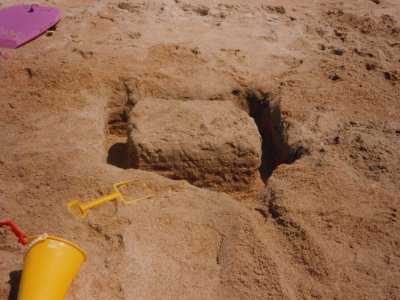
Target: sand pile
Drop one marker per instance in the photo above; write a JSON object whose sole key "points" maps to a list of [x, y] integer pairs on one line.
{"points": [[207, 143]]}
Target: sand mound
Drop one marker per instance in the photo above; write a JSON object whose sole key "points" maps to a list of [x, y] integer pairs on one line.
{"points": [[184, 242], [208, 143]]}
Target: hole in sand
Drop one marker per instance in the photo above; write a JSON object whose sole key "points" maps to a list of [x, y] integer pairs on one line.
{"points": [[116, 134], [275, 147], [116, 155]]}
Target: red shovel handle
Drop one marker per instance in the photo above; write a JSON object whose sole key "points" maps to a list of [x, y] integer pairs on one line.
{"points": [[18, 232]]}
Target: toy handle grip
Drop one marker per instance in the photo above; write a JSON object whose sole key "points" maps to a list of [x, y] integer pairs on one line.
{"points": [[18, 232]]}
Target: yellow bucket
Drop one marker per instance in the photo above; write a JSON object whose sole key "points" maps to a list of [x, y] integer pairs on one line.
{"points": [[50, 266]]}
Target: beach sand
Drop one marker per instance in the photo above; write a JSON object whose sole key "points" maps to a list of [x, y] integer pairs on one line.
{"points": [[321, 79]]}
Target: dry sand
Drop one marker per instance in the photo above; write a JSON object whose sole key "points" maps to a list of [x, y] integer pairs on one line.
{"points": [[320, 79]]}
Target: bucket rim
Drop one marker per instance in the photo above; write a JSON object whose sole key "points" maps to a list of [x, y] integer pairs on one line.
{"points": [[52, 237]]}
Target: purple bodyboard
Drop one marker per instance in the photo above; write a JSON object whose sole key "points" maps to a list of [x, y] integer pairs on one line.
{"points": [[21, 23]]}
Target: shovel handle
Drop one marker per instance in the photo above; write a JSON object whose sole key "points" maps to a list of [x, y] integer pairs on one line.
{"points": [[101, 200], [17, 231], [81, 209]]}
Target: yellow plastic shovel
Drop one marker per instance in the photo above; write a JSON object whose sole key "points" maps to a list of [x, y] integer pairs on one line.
{"points": [[81, 209]]}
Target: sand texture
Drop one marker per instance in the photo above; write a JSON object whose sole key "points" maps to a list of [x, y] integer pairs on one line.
{"points": [[266, 132]]}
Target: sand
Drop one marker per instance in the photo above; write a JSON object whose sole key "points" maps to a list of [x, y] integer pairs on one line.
{"points": [[321, 80]]}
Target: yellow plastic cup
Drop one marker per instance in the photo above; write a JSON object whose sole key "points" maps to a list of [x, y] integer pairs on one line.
{"points": [[50, 266]]}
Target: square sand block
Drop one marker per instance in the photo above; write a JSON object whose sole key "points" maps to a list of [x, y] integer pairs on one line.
{"points": [[207, 143]]}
